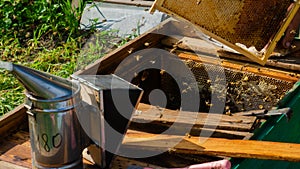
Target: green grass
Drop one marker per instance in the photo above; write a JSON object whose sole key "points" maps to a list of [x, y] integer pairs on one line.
{"points": [[45, 35], [40, 34]]}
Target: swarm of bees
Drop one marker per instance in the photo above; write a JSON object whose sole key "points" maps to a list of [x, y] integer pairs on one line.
{"points": [[242, 91]]}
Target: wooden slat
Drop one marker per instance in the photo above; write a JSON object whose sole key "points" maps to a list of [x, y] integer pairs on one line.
{"points": [[290, 62], [140, 3], [150, 39], [18, 156], [15, 153], [109, 62], [212, 146], [121, 162], [217, 133], [7, 165], [130, 2], [16, 149], [160, 116], [200, 46], [13, 120], [264, 71]]}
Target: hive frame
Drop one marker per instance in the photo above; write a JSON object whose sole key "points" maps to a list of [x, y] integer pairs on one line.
{"points": [[260, 57]]}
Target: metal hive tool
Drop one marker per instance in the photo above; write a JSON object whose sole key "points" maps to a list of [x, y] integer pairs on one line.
{"points": [[252, 28]]}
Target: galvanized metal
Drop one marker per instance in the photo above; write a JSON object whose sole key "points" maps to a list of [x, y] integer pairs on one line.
{"points": [[57, 139], [62, 116], [110, 101], [39, 84]]}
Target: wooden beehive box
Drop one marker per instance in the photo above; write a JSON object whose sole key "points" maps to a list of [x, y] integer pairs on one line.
{"points": [[180, 40]]}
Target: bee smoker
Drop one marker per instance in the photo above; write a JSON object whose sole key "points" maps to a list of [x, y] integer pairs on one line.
{"points": [[62, 124]]}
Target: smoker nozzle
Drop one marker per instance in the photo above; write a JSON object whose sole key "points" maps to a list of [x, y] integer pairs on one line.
{"points": [[39, 84]]}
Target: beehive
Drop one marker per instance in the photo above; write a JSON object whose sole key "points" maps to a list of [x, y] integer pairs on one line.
{"points": [[252, 28]]}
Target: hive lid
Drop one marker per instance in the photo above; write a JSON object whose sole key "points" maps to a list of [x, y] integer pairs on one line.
{"points": [[250, 28]]}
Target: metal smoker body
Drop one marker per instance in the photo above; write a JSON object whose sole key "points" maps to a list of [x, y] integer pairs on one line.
{"points": [[64, 119], [57, 139]]}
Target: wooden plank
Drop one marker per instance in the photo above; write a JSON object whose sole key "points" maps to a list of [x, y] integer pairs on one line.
{"points": [[121, 162], [7, 165], [290, 62], [16, 149], [201, 46], [264, 71], [109, 62], [149, 39], [212, 146], [18, 156], [141, 3], [161, 161], [13, 120], [217, 133], [15, 152], [160, 116], [194, 44]]}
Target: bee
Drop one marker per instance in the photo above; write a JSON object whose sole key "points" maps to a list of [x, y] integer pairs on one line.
{"points": [[130, 50], [138, 57], [152, 61], [147, 44], [188, 135], [145, 75]]}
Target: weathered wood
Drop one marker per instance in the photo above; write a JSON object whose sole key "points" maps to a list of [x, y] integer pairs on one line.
{"points": [[18, 156], [109, 62], [190, 44], [150, 39], [290, 62], [141, 3], [7, 165], [212, 146], [200, 46], [166, 117], [16, 149], [121, 162], [236, 65], [13, 120], [217, 133]]}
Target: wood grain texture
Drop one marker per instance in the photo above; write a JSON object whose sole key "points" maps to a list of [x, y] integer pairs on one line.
{"points": [[16, 149], [149, 39], [7, 165], [236, 65], [212, 146], [202, 47], [161, 116], [13, 120], [141, 3]]}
